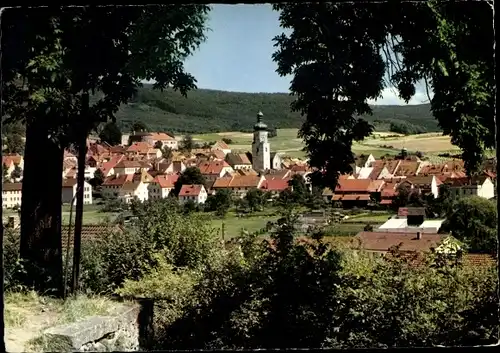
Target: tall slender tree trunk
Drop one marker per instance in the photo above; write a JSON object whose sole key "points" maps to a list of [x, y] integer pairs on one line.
{"points": [[82, 153], [41, 210]]}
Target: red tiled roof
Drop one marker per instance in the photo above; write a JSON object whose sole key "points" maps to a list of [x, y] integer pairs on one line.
{"points": [[275, 184], [12, 186], [213, 167], [129, 164], [119, 180], [141, 147], [190, 190], [69, 183], [166, 181], [382, 241], [238, 181], [160, 136], [358, 185], [221, 144]]}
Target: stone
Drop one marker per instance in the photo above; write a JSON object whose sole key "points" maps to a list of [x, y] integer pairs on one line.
{"points": [[87, 332]]}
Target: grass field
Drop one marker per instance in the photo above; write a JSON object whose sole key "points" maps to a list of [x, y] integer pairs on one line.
{"points": [[91, 214], [380, 143]]}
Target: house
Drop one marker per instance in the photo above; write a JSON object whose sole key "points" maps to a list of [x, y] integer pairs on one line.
{"points": [[143, 149], [11, 195], [8, 164], [364, 161], [16, 159], [481, 186], [68, 193], [113, 183], [381, 242], [238, 161], [166, 140], [275, 186], [196, 193], [161, 186], [128, 167], [427, 184], [107, 168], [355, 192], [365, 172], [239, 184], [221, 146], [276, 160], [214, 169], [407, 168], [133, 190]]}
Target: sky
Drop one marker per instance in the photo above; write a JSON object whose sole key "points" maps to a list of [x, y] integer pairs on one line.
{"points": [[237, 54]]}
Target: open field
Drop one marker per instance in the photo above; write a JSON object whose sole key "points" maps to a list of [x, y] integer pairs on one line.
{"points": [[379, 144], [91, 215]]}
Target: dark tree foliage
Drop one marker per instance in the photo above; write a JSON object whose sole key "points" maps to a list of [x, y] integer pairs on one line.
{"points": [[474, 221], [49, 73], [139, 126], [190, 176], [111, 134], [187, 144], [339, 55], [220, 202]]}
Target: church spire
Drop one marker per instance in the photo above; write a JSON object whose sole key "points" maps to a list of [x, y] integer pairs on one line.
{"points": [[260, 125]]}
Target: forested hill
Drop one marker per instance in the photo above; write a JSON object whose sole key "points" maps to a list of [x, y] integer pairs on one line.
{"points": [[215, 111]]}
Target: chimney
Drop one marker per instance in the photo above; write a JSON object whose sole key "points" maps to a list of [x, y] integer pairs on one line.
{"points": [[419, 235]]}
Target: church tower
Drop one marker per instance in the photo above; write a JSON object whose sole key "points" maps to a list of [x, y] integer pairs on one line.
{"points": [[261, 152]]}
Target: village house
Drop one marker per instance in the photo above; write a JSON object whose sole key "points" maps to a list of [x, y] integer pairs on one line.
{"points": [[172, 167], [407, 168], [196, 193], [381, 242], [481, 186], [238, 161], [143, 149], [15, 159], [11, 195], [107, 168], [354, 192], [8, 165], [128, 167], [68, 193], [275, 186], [165, 139], [363, 161], [214, 169], [239, 184], [131, 190], [427, 184], [161, 186], [221, 146], [276, 160], [113, 183]]}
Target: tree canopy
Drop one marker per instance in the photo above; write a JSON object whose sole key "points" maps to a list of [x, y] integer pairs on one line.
{"points": [[111, 134], [341, 55], [57, 56]]}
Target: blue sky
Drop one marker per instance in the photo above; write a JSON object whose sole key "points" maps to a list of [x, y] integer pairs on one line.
{"points": [[237, 53]]}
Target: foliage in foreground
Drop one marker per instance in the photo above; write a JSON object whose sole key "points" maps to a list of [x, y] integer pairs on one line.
{"points": [[286, 291]]}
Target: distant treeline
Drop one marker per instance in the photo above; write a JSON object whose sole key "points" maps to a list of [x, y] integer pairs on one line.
{"points": [[206, 111]]}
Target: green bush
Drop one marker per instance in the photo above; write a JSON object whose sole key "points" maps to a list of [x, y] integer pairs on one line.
{"points": [[14, 268]]}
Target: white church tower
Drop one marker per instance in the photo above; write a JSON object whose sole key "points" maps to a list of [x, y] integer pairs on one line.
{"points": [[261, 152]]}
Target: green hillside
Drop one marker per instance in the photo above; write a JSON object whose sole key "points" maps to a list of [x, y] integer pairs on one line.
{"points": [[215, 111]]}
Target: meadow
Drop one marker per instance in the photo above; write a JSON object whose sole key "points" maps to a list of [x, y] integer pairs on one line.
{"points": [[379, 144]]}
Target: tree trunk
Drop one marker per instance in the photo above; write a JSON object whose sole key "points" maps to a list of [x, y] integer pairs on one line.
{"points": [[2, 328], [82, 153], [41, 210]]}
